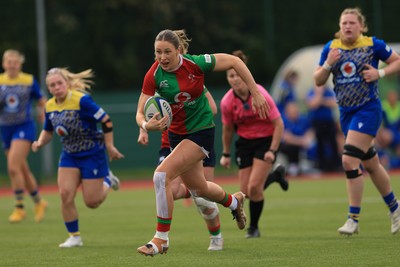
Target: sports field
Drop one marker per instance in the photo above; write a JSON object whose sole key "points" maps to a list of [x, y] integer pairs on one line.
{"points": [[298, 228]]}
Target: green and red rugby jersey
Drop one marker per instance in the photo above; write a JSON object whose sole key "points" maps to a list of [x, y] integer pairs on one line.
{"points": [[183, 88]]}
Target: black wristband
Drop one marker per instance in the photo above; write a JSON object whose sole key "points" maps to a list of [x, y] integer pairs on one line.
{"points": [[226, 155]]}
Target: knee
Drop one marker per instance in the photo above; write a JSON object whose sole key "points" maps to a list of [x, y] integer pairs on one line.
{"points": [[160, 179], [253, 191], [93, 204], [13, 170], [66, 195], [352, 157]]}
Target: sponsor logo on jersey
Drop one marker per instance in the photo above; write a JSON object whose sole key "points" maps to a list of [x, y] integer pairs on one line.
{"points": [[61, 131], [191, 77], [164, 84], [98, 114], [348, 70], [12, 102], [21, 134], [182, 97], [207, 58]]}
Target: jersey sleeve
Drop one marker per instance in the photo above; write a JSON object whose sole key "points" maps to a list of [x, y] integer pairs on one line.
{"points": [[149, 83], [205, 62], [36, 91], [382, 50], [324, 53], [47, 126], [90, 109]]}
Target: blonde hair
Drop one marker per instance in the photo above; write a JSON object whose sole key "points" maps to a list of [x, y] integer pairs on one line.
{"points": [[77, 81], [361, 19], [177, 38], [13, 52]]}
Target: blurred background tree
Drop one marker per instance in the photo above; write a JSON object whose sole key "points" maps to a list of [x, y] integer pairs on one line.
{"points": [[115, 37]]}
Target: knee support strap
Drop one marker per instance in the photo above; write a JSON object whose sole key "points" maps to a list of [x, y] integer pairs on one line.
{"points": [[353, 174], [370, 153], [353, 151]]}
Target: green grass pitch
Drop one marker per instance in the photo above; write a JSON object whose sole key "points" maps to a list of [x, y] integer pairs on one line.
{"points": [[298, 228]]}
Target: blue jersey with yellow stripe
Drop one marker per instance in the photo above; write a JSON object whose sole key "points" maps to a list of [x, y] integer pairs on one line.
{"points": [[350, 88], [16, 96], [75, 121]]}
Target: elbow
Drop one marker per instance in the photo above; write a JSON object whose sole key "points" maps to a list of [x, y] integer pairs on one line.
{"points": [[318, 81]]}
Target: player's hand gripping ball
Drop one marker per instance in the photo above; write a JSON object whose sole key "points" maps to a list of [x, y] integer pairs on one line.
{"points": [[157, 104]]}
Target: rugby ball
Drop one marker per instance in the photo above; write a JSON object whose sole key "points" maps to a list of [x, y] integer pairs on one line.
{"points": [[157, 104]]}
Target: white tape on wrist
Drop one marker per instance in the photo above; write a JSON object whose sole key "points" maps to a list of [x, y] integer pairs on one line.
{"points": [[327, 66], [381, 73], [144, 126]]}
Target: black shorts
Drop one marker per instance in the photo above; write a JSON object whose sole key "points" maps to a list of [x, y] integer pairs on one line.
{"points": [[203, 138], [247, 149]]}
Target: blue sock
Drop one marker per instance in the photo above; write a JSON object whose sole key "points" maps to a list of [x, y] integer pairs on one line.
{"points": [[35, 196], [354, 213], [19, 198], [391, 202], [72, 227]]}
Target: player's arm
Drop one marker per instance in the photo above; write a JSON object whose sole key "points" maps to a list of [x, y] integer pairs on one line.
{"points": [[227, 136], [322, 73], [271, 154], [41, 103], [143, 137], [371, 74], [44, 139], [140, 118], [153, 124], [225, 62], [107, 127]]}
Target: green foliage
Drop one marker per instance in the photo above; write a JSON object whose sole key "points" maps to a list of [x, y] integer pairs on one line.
{"points": [[115, 37], [298, 228]]}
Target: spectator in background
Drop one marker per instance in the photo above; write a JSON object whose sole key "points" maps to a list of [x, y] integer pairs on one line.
{"points": [[287, 90], [388, 137], [18, 91], [321, 101], [297, 137]]}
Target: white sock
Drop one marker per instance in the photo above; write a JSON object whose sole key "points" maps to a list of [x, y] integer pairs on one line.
{"points": [[162, 235], [234, 203]]}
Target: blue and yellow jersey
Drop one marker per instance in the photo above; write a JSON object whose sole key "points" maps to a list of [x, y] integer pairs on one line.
{"points": [[16, 96], [350, 88], [75, 121]]}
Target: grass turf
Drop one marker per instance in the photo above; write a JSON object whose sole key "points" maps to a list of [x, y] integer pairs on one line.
{"points": [[298, 228]]}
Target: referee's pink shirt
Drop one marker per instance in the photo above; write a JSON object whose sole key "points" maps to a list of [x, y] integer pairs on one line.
{"points": [[249, 125]]}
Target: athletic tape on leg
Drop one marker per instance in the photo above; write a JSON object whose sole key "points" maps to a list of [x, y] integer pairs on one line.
{"points": [[161, 196]]}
